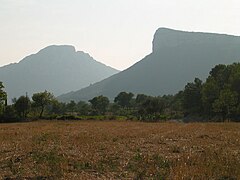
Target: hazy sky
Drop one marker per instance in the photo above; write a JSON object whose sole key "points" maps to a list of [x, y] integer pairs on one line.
{"points": [[115, 32]]}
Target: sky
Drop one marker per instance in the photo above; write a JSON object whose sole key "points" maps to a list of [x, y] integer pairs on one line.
{"points": [[117, 33]]}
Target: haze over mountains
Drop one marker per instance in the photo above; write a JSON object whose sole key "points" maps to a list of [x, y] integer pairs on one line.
{"points": [[177, 58], [57, 69]]}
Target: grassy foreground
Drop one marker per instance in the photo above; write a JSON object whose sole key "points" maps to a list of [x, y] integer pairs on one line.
{"points": [[119, 150]]}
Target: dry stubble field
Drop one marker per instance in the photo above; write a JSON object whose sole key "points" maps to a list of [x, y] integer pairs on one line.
{"points": [[119, 150]]}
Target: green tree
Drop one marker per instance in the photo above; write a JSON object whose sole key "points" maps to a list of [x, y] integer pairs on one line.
{"points": [[71, 107], [210, 93], [115, 109], [192, 97], [124, 99], [41, 100], [3, 98], [141, 98], [222, 84], [220, 73], [56, 107], [152, 108], [226, 104], [100, 104], [176, 104], [10, 114], [83, 108], [234, 78], [22, 106]]}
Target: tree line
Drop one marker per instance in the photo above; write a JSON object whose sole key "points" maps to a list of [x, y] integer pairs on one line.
{"points": [[216, 99]]}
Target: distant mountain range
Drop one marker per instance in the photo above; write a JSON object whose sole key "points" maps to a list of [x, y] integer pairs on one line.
{"points": [[58, 69], [177, 58]]}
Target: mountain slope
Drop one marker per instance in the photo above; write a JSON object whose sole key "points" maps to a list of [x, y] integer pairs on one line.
{"points": [[177, 58], [58, 69]]}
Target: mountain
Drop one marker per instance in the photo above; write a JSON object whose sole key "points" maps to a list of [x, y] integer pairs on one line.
{"points": [[177, 58], [58, 69]]}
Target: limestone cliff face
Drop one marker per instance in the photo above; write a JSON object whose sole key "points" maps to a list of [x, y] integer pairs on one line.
{"points": [[167, 38]]}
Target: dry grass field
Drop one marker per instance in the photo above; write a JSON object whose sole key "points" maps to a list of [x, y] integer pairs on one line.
{"points": [[119, 150]]}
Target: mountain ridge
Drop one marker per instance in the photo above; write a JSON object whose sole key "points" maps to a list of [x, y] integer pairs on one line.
{"points": [[56, 68], [177, 57]]}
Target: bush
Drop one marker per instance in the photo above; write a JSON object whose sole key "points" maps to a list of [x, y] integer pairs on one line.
{"points": [[68, 117], [9, 115]]}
